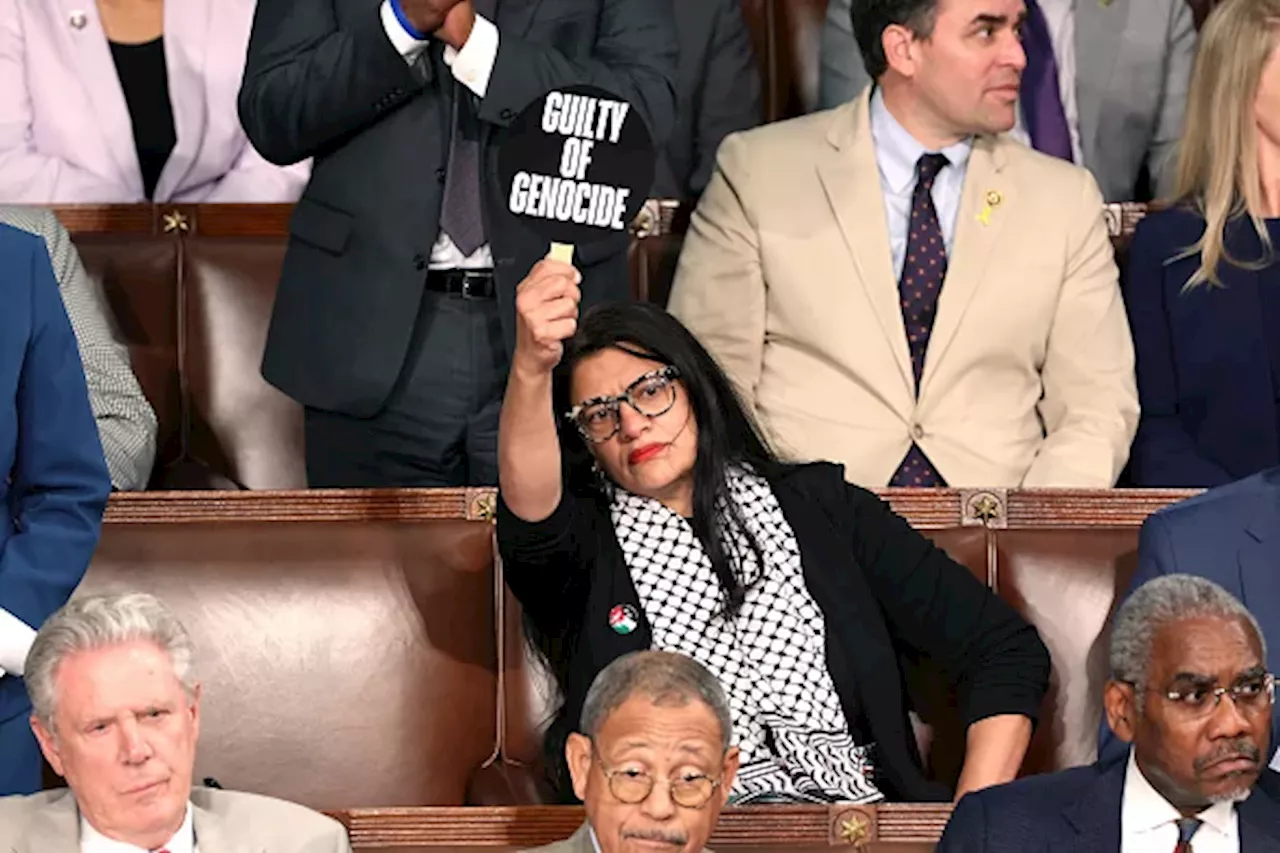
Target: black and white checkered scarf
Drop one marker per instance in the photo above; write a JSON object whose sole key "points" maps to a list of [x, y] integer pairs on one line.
{"points": [[770, 657]]}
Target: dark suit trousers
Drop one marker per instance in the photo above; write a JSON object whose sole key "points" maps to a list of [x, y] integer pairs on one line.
{"points": [[20, 766], [440, 424]]}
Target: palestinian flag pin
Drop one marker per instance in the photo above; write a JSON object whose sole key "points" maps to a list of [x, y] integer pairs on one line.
{"points": [[623, 618]]}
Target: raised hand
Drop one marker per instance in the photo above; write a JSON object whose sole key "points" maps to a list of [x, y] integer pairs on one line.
{"points": [[546, 315]]}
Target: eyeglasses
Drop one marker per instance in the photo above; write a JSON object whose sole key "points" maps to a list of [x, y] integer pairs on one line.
{"points": [[631, 786], [652, 395], [1250, 695]]}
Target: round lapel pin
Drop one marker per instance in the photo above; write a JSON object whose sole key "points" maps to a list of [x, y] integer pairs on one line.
{"points": [[623, 619]]}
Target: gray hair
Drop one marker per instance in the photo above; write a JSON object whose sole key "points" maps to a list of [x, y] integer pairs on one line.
{"points": [[96, 622], [665, 677], [1157, 603]]}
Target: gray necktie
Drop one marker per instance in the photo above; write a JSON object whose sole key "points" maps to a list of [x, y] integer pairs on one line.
{"points": [[461, 214]]}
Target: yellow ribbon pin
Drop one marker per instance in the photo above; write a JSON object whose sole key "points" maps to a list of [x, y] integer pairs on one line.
{"points": [[992, 199]]}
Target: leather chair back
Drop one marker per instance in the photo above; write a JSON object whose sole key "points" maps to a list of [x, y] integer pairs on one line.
{"points": [[239, 424], [345, 642]]}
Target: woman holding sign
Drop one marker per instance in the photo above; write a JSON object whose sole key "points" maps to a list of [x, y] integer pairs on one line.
{"points": [[642, 509]]}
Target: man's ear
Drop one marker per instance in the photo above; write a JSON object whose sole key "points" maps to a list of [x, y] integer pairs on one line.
{"points": [[48, 744], [577, 754], [898, 43], [194, 708], [732, 759], [1120, 704]]}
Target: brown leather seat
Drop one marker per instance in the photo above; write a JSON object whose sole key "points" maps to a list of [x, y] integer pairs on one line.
{"points": [[238, 423], [1066, 583], [138, 274], [345, 643]]}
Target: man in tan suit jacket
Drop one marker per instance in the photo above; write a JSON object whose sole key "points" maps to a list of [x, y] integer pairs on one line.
{"points": [[788, 275], [117, 714], [223, 822]]}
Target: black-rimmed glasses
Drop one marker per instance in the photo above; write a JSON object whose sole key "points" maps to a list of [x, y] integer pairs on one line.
{"points": [[652, 395]]}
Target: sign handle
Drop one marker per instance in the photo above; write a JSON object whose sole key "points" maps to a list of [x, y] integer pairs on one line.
{"points": [[562, 252]]}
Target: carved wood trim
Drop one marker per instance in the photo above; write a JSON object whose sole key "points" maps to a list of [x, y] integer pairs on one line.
{"points": [[139, 219], [316, 505], [532, 826], [658, 217], [1056, 508], [242, 220], [926, 509]]}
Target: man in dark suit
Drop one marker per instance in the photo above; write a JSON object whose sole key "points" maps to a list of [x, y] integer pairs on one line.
{"points": [[1191, 693], [718, 93], [395, 311], [1230, 535], [53, 481]]}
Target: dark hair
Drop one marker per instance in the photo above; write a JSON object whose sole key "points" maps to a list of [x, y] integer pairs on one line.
{"points": [[727, 433], [870, 18]]}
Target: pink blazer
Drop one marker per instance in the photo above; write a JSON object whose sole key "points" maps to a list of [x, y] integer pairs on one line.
{"points": [[65, 132]]}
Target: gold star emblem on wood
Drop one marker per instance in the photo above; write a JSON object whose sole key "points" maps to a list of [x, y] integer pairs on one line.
{"points": [[854, 830], [176, 220]]}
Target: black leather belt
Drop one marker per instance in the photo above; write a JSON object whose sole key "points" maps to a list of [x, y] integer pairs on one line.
{"points": [[469, 284]]}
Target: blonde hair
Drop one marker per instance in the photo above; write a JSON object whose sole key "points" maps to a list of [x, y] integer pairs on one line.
{"points": [[1218, 155]]}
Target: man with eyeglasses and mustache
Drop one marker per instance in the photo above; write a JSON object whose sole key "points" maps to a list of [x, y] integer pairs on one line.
{"points": [[1189, 691], [652, 760]]}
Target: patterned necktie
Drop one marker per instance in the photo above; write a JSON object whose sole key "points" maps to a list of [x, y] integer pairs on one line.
{"points": [[923, 271], [1042, 110], [1187, 827], [461, 215], [462, 212]]}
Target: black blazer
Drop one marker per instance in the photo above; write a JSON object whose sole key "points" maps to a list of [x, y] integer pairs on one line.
{"points": [[322, 80], [717, 93], [1078, 811], [1203, 357], [884, 590]]}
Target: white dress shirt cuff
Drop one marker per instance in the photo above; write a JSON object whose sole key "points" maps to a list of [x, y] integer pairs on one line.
{"points": [[16, 637], [406, 44], [473, 65]]}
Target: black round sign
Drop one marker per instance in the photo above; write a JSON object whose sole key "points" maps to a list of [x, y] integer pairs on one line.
{"points": [[577, 165]]}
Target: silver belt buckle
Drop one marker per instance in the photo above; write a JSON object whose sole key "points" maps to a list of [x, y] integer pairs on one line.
{"points": [[468, 278]]}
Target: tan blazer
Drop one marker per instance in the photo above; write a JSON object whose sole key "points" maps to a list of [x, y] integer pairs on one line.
{"points": [[579, 842], [787, 278], [225, 822]]}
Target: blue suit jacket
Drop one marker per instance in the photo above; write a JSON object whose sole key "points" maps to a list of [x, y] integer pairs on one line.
{"points": [[1230, 535], [1204, 369], [53, 477], [1078, 811]]}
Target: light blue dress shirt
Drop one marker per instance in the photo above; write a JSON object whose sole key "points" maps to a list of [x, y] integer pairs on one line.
{"points": [[897, 152]]}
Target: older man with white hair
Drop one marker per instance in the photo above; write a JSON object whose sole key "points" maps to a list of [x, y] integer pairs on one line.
{"points": [[116, 710]]}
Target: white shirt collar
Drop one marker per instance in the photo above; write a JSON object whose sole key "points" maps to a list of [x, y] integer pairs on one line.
{"points": [[595, 844], [1145, 809], [897, 151], [92, 841]]}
